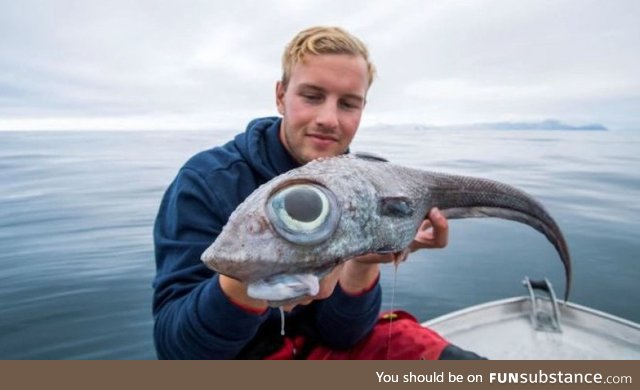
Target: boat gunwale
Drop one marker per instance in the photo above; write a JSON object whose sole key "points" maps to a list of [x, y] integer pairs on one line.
{"points": [[521, 299]]}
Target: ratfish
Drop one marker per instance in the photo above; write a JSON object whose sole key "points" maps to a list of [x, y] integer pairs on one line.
{"points": [[297, 227]]}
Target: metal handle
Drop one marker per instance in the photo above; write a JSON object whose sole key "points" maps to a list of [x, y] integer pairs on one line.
{"points": [[543, 320]]}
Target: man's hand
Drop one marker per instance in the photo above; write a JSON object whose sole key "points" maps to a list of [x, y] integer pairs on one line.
{"points": [[361, 272], [433, 233]]}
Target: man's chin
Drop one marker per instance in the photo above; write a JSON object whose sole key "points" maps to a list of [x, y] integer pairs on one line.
{"points": [[316, 154]]}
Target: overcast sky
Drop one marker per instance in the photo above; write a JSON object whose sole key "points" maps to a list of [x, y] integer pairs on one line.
{"points": [[205, 64]]}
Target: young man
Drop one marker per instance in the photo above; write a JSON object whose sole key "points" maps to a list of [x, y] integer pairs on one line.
{"points": [[200, 314]]}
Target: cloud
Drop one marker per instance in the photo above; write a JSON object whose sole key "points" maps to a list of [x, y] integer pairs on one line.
{"points": [[144, 63]]}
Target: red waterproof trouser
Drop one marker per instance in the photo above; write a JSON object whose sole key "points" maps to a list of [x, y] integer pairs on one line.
{"points": [[396, 336]]}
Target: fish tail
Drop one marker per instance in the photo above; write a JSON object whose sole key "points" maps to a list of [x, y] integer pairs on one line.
{"points": [[468, 197]]}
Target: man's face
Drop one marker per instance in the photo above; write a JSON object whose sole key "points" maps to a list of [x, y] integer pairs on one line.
{"points": [[322, 105]]}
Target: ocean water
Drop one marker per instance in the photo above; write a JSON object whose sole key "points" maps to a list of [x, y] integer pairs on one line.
{"points": [[77, 208]]}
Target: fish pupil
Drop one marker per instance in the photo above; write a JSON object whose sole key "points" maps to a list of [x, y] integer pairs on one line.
{"points": [[303, 204]]}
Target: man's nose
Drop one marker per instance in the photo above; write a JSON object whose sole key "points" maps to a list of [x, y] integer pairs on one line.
{"points": [[327, 116]]}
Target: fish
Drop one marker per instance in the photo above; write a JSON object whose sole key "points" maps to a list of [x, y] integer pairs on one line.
{"points": [[294, 229]]}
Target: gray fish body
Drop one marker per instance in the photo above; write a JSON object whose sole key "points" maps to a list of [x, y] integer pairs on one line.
{"points": [[375, 207]]}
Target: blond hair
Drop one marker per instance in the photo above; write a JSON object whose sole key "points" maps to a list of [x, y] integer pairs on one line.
{"points": [[323, 40]]}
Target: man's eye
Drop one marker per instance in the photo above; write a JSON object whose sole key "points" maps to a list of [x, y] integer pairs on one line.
{"points": [[312, 98], [349, 105]]}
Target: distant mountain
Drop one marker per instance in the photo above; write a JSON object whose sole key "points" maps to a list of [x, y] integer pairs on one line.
{"points": [[548, 124]]}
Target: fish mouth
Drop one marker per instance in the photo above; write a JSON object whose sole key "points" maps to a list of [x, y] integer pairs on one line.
{"points": [[285, 289]]}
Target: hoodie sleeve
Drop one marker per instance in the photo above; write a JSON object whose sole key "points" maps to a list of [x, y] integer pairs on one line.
{"points": [[193, 317], [343, 320]]}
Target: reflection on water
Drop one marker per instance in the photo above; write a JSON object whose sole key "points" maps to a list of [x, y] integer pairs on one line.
{"points": [[76, 213]]}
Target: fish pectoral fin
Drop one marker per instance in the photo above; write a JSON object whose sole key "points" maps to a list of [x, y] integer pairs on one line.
{"points": [[395, 206]]}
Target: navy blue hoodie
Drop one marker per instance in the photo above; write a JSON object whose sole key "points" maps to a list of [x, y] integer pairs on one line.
{"points": [[194, 319]]}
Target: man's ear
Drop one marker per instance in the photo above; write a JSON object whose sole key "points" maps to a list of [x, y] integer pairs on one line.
{"points": [[280, 90]]}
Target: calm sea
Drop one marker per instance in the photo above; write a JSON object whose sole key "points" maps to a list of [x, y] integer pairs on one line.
{"points": [[77, 208]]}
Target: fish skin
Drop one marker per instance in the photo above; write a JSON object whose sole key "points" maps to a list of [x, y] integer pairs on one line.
{"points": [[249, 249]]}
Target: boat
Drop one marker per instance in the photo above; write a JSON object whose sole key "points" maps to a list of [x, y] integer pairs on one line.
{"points": [[538, 326]]}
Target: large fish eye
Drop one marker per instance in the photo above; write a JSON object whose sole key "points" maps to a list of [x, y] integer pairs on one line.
{"points": [[303, 213]]}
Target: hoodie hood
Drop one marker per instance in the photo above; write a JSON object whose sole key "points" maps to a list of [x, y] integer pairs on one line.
{"points": [[261, 147]]}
